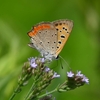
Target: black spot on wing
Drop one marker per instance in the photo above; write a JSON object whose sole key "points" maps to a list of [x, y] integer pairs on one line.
{"points": [[62, 36]]}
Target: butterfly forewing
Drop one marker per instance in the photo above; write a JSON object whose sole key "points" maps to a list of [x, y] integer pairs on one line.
{"points": [[63, 28]]}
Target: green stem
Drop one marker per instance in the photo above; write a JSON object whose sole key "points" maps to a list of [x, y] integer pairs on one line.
{"points": [[18, 87], [30, 91], [15, 92], [55, 90]]}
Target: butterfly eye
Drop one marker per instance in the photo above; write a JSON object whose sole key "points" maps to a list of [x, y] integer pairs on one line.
{"points": [[57, 57]]}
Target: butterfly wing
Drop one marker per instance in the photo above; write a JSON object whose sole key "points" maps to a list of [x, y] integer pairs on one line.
{"points": [[64, 28], [44, 39]]}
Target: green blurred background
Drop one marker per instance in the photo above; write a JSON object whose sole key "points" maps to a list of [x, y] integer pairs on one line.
{"points": [[82, 50]]}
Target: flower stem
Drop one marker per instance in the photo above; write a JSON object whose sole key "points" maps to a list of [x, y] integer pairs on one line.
{"points": [[30, 91], [15, 92], [47, 93], [18, 89], [29, 94]]}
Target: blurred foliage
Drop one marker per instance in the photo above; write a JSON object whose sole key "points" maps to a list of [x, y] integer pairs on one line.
{"points": [[82, 50]]}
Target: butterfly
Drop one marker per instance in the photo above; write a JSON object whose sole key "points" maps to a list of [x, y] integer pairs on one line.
{"points": [[49, 38]]}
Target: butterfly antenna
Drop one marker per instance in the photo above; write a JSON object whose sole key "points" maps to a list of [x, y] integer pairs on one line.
{"points": [[65, 62], [61, 63], [53, 64]]}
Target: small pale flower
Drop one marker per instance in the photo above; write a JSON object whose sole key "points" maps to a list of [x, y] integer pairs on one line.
{"points": [[79, 74], [34, 65], [47, 69], [70, 74], [32, 62], [55, 75], [42, 60], [31, 59], [86, 80]]}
